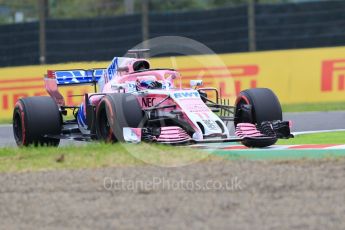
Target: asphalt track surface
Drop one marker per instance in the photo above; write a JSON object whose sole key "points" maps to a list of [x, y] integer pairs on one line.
{"points": [[308, 121], [231, 195], [217, 194]]}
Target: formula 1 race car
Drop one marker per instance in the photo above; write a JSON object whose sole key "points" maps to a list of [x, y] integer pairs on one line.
{"points": [[135, 103]]}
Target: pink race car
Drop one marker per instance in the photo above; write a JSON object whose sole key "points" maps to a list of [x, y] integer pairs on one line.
{"points": [[134, 103]]}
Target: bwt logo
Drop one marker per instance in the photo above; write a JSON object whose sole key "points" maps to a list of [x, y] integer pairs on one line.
{"points": [[112, 68], [186, 94], [333, 70], [78, 76], [79, 73]]}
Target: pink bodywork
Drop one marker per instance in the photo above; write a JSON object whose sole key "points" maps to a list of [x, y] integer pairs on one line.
{"points": [[247, 130], [173, 134], [158, 75], [127, 74]]}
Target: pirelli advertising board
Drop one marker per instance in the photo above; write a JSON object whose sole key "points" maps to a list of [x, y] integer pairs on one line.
{"points": [[296, 76]]}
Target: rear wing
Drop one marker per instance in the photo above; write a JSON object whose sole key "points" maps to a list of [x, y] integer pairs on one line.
{"points": [[75, 77]]}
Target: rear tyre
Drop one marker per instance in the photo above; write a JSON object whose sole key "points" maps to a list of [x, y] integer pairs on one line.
{"points": [[113, 113], [264, 105], [33, 119]]}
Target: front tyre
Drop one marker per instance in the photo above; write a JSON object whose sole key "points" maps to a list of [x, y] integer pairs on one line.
{"points": [[113, 113], [257, 105], [34, 119]]}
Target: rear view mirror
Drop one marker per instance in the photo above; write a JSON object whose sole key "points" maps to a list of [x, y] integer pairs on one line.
{"points": [[195, 83]]}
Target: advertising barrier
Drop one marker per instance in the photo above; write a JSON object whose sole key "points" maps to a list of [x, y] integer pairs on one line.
{"points": [[296, 76]]}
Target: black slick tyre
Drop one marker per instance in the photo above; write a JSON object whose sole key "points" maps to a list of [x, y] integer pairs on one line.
{"points": [[35, 119], [113, 113]]}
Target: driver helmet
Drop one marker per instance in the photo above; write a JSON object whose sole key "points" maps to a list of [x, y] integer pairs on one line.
{"points": [[149, 82]]}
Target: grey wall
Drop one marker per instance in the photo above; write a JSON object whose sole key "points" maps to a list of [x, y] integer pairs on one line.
{"points": [[278, 26]]}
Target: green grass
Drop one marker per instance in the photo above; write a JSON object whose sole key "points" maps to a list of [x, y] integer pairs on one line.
{"points": [[98, 155], [293, 154], [316, 138], [95, 155], [5, 121], [306, 107]]}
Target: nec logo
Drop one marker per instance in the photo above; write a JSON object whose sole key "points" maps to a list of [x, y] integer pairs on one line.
{"points": [[186, 94], [148, 101], [333, 70]]}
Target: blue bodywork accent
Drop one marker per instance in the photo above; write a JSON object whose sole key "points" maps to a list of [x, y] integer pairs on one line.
{"points": [[68, 77], [111, 70], [81, 117]]}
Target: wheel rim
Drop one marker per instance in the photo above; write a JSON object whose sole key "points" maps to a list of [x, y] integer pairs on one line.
{"points": [[239, 103], [105, 130], [18, 128]]}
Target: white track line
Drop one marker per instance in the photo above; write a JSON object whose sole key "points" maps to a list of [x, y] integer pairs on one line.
{"points": [[5, 125], [337, 147], [317, 131], [313, 112]]}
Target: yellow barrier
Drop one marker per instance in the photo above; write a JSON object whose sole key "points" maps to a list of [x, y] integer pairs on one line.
{"points": [[296, 76], [17, 82]]}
